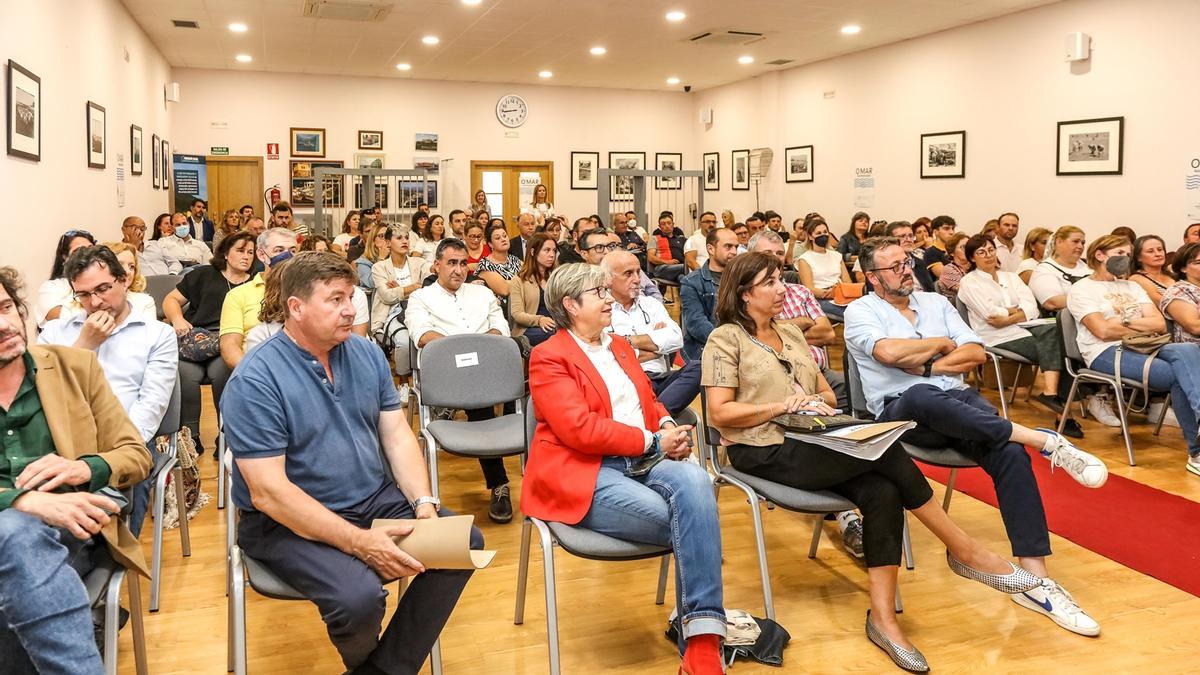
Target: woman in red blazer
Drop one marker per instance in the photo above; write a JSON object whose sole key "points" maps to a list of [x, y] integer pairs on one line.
{"points": [[594, 461]]}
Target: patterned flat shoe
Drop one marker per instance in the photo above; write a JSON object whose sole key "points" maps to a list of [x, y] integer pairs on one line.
{"points": [[1017, 581], [911, 660]]}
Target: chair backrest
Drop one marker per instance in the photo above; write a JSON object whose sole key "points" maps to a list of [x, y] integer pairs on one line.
{"points": [[854, 389], [1070, 336], [170, 422], [158, 286], [530, 422], [471, 371], [962, 310]]}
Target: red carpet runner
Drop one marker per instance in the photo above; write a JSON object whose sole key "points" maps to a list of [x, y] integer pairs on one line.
{"points": [[1140, 527]]}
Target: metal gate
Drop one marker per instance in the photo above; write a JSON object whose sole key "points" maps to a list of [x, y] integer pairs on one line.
{"points": [[649, 193], [396, 191]]}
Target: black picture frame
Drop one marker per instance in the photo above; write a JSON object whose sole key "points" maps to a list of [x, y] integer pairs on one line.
{"points": [[943, 154], [744, 182], [166, 165], [155, 162], [799, 153], [1080, 142], [712, 171], [136, 157], [95, 136], [579, 181], [24, 113], [668, 183], [622, 186]]}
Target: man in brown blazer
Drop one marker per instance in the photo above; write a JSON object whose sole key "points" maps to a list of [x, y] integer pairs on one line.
{"points": [[65, 435]]}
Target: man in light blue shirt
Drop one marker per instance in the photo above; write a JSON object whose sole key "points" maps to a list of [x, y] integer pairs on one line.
{"points": [[912, 349], [140, 359]]}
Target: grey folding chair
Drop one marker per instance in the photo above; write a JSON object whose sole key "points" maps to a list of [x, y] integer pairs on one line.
{"points": [[168, 467], [159, 286], [760, 490], [103, 585], [469, 372], [582, 543], [996, 354], [241, 569]]}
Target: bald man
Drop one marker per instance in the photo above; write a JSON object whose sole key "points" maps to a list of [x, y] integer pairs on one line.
{"points": [[151, 259]]}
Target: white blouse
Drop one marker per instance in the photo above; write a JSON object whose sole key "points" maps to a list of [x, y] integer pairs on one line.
{"points": [[985, 296], [826, 267]]}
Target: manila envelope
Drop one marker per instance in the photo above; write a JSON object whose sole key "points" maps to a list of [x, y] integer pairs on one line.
{"points": [[440, 543]]}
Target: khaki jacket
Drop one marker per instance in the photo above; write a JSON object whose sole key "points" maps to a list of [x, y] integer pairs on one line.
{"points": [[523, 299]]}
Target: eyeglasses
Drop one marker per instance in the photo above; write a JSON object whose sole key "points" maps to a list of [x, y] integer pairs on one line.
{"points": [[906, 237], [600, 291], [986, 252], [80, 296], [902, 266], [598, 248]]}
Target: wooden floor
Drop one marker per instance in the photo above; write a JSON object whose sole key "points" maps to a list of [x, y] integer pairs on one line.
{"points": [[609, 622]]}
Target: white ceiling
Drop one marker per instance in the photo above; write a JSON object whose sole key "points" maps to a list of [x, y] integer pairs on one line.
{"points": [[511, 40]]}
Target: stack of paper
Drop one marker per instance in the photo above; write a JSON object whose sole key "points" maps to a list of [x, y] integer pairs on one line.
{"points": [[865, 441]]}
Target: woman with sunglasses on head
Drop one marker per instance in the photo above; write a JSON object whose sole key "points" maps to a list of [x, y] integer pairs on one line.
{"points": [[755, 369], [55, 293]]}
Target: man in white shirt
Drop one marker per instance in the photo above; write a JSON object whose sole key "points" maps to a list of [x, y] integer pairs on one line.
{"points": [[140, 358], [596, 243], [695, 249], [1008, 252], [450, 307], [151, 259], [181, 245], [197, 217], [458, 220], [655, 336]]}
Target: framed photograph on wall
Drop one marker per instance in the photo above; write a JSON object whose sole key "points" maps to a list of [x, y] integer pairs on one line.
{"points": [[622, 186], [96, 142], [155, 162], [135, 150], [24, 113], [425, 142], [304, 188], [798, 164], [370, 140], [944, 155], [583, 170], [381, 195], [413, 192], [166, 165], [369, 160], [712, 171], [429, 164], [668, 161], [741, 169], [307, 142], [1091, 147]]}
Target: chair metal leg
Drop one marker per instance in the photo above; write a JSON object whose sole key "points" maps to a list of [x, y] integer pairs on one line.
{"points": [[112, 621], [1012, 397], [135, 618], [160, 506], [1000, 384], [551, 598], [899, 603], [185, 538], [237, 599], [1037, 371], [435, 657], [1122, 413], [523, 572], [1162, 416], [1062, 419], [760, 543], [431, 457], [220, 469], [909, 561], [661, 597], [949, 490], [816, 537]]}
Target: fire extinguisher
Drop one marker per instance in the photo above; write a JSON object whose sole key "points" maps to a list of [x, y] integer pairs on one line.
{"points": [[273, 196]]}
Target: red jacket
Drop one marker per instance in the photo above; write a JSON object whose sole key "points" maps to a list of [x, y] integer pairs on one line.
{"points": [[575, 428]]}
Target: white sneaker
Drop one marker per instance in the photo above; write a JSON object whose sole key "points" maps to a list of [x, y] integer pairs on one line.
{"points": [[404, 391], [1193, 465], [1055, 602], [1083, 467], [1155, 410], [1099, 408]]}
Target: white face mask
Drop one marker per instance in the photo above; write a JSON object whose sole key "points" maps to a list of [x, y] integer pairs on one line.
{"points": [[632, 222]]}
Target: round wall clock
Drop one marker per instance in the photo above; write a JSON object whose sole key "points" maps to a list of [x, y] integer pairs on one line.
{"points": [[511, 110]]}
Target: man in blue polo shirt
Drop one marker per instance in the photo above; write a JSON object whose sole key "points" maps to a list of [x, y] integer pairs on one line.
{"points": [[306, 414]]}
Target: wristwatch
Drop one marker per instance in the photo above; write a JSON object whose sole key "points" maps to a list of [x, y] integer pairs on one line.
{"points": [[422, 501], [928, 369], [1125, 321]]}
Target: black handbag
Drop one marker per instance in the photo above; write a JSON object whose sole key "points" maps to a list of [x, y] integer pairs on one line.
{"points": [[199, 345]]}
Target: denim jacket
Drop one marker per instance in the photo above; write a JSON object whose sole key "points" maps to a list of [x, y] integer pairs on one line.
{"points": [[698, 293]]}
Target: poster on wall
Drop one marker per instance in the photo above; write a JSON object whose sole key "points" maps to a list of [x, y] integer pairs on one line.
{"points": [[191, 181], [864, 187], [24, 113], [1192, 188]]}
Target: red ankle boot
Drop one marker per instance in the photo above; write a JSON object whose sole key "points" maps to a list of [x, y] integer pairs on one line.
{"points": [[702, 656]]}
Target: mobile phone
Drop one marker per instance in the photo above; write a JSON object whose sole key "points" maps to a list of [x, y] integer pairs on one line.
{"points": [[115, 495]]}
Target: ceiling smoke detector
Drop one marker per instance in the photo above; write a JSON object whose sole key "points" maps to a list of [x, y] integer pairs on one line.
{"points": [[347, 10]]}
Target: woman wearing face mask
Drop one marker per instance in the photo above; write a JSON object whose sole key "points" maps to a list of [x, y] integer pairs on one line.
{"points": [[854, 237], [1150, 267], [182, 246], [821, 267], [1107, 306]]}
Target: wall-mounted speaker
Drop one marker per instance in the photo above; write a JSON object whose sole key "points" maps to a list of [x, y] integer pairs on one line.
{"points": [[1078, 46], [172, 92]]}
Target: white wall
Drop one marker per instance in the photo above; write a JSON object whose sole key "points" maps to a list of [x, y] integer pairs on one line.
{"points": [[1005, 82], [260, 107], [75, 46]]}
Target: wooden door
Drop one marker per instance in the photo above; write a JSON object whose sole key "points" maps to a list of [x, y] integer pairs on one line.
{"points": [[232, 183], [509, 186]]}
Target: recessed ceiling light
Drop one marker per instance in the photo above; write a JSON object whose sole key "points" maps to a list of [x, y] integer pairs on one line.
{"points": [[745, 60], [851, 29], [545, 74], [676, 15], [471, 2], [244, 58], [238, 27], [598, 51], [672, 80], [403, 66], [430, 39]]}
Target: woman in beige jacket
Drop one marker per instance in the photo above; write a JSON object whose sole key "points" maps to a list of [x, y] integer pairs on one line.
{"points": [[526, 290]]}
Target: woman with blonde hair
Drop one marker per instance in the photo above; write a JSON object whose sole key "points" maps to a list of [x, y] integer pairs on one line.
{"points": [[539, 205], [1036, 243], [375, 248], [231, 222], [143, 304]]}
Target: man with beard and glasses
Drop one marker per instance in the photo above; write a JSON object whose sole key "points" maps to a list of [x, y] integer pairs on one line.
{"points": [[66, 437], [912, 350]]}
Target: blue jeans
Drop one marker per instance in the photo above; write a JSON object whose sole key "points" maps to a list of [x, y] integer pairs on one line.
{"points": [[835, 311], [1176, 368], [45, 618], [671, 505]]}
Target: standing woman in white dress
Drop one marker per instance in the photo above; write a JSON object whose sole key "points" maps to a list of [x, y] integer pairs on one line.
{"points": [[540, 207]]}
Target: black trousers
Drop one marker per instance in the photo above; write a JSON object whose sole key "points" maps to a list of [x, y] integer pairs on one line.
{"points": [[494, 473], [351, 597], [882, 488]]}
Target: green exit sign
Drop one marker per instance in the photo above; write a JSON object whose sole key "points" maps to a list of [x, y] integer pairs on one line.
{"points": [[219, 150]]}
